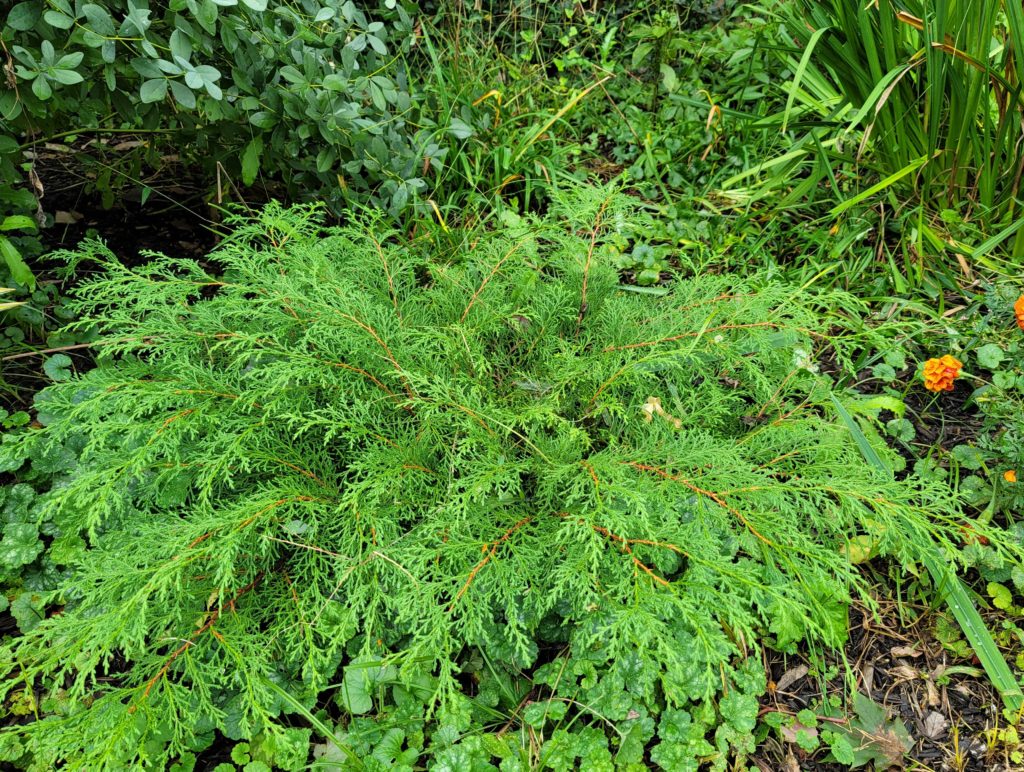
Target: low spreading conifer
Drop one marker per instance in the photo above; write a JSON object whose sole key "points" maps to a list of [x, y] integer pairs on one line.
{"points": [[323, 443]]}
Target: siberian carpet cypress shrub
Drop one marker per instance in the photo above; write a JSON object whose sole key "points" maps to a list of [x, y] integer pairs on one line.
{"points": [[328, 444]]}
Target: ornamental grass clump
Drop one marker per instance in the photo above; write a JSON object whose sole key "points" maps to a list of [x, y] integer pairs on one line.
{"points": [[330, 445]]}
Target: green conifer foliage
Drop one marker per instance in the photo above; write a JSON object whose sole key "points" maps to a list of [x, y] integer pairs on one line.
{"points": [[329, 444]]}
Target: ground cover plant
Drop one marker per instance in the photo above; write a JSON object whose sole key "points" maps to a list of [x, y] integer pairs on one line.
{"points": [[333, 457]]}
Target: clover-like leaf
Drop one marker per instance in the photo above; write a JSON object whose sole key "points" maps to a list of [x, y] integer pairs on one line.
{"points": [[362, 677], [901, 429], [739, 710], [1001, 596]]}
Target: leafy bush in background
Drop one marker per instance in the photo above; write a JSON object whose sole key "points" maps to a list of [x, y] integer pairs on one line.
{"points": [[334, 451], [317, 94]]}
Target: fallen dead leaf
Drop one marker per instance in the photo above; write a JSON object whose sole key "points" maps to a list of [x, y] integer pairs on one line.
{"points": [[868, 674], [904, 651], [933, 693], [935, 725], [789, 733], [904, 673], [790, 677]]}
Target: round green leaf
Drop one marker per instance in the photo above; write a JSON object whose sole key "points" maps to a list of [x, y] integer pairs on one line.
{"points": [[20, 545], [24, 16], [58, 367], [1002, 598], [989, 356]]}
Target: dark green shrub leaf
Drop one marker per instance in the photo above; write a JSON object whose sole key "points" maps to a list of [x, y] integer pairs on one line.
{"points": [[41, 88], [251, 160], [23, 16], [183, 95], [153, 90], [460, 129], [70, 61], [99, 19], [20, 272], [263, 119], [18, 222], [58, 20]]}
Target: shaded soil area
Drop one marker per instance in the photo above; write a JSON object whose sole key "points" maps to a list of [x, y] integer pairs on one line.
{"points": [[170, 213], [174, 218], [949, 711]]}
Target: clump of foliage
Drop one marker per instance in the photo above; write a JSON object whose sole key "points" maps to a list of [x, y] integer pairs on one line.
{"points": [[912, 107], [320, 89], [989, 466], [329, 449]]}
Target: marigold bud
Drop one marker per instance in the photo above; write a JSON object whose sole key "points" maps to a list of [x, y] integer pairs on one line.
{"points": [[1018, 311], [1010, 475], [939, 374]]}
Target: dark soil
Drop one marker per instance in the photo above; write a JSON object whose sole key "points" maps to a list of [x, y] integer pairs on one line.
{"points": [[941, 421], [945, 422], [175, 218], [948, 714]]}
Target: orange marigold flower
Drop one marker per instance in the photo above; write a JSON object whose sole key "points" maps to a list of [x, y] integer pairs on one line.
{"points": [[1010, 475], [1018, 311], [939, 374]]}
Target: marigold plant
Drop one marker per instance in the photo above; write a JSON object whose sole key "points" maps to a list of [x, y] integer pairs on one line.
{"points": [[939, 374]]}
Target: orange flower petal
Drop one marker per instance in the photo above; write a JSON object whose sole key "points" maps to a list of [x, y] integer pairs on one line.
{"points": [[1010, 475], [939, 374]]}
